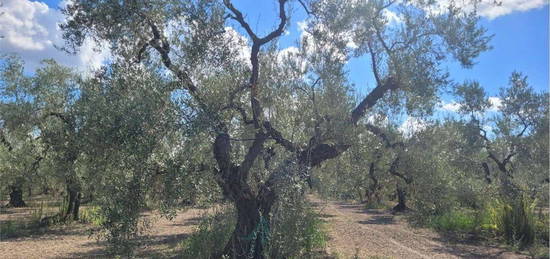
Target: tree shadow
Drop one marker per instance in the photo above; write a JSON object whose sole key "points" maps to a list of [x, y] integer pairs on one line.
{"points": [[324, 215], [162, 246], [379, 220], [471, 246], [188, 222], [360, 208], [7, 212], [96, 253], [44, 232]]}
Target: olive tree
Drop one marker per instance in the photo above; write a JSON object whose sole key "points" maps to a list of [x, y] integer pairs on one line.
{"points": [[42, 106], [229, 96], [506, 135]]}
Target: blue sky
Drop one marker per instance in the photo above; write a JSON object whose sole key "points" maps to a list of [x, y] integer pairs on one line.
{"points": [[520, 42]]}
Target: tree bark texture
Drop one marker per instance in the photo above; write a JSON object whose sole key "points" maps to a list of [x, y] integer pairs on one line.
{"points": [[16, 197]]}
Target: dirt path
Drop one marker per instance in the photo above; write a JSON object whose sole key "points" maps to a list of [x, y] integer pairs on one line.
{"points": [[353, 231], [375, 233], [73, 241]]}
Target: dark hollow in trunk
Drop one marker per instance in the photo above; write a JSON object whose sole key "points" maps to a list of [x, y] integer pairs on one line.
{"points": [[16, 197]]}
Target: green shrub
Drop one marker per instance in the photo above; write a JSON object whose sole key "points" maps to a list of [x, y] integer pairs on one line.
{"points": [[92, 215], [297, 231], [455, 221], [515, 221], [542, 228], [211, 235], [10, 229]]}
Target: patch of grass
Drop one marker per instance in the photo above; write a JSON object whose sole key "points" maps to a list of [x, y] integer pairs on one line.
{"points": [[542, 228], [297, 232], [18, 228], [377, 205], [92, 215], [10, 229], [539, 251], [455, 221], [315, 234], [210, 237]]}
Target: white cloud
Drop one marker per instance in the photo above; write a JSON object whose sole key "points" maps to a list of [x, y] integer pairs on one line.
{"points": [[238, 42], [495, 102], [392, 17], [30, 30], [412, 125], [490, 10], [449, 106]]}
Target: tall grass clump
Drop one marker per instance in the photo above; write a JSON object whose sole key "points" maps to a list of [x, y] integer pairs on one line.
{"points": [[297, 231], [92, 215], [515, 221], [211, 235], [455, 221]]}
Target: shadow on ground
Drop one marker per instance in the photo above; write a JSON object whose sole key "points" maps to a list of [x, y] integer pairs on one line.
{"points": [[378, 220]]}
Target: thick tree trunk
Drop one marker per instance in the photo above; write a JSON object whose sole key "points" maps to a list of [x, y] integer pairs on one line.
{"points": [[71, 198], [250, 234], [76, 206], [16, 197], [372, 192], [73, 205], [401, 200], [361, 198]]}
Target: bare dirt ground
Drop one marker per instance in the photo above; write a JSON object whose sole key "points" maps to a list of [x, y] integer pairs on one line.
{"points": [[73, 241], [353, 231], [377, 233]]}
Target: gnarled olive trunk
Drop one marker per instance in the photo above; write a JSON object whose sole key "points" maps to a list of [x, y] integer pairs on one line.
{"points": [[250, 235], [76, 206], [401, 200], [16, 197], [73, 205], [372, 194]]}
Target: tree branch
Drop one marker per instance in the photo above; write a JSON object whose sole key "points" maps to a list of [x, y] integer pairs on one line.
{"points": [[278, 137], [159, 43], [393, 171], [253, 152], [257, 43], [305, 7], [372, 98], [374, 65], [378, 132]]}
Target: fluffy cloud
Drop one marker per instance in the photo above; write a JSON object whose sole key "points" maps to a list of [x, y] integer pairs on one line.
{"points": [[238, 42], [392, 18], [451, 106], [412, 125], [492, 9], [30, 30], [495, 102]]}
